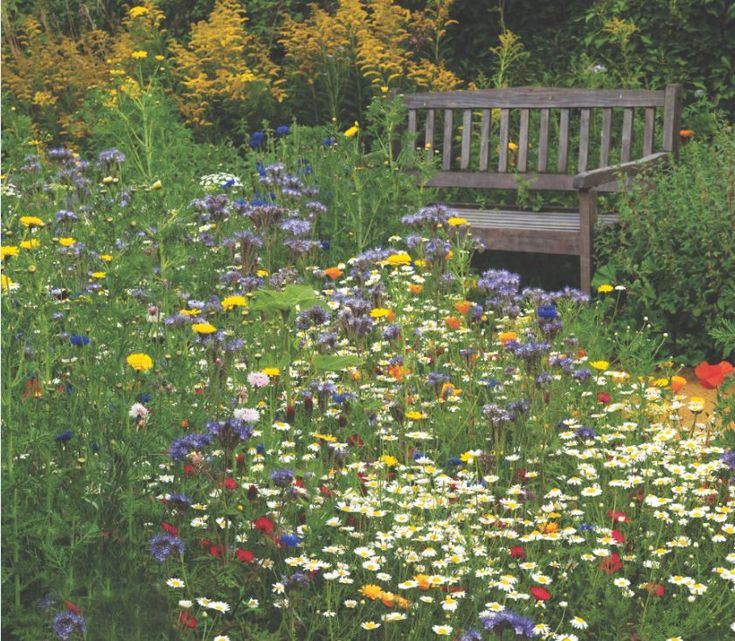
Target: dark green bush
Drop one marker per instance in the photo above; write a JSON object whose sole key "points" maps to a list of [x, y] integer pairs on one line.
{"points": [[674, 250]]}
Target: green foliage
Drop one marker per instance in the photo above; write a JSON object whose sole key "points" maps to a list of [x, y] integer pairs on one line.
{"points": [[673, 250]]}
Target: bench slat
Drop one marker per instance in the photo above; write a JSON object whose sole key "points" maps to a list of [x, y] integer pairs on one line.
{"points": [[523, 142], [584, 139], [504, 131], [605, 137], [484, 139], [543, 143], [466, 138], [412, 125], [648, 131], [447, 142], [429, 136], [484, 180], [535, 97], [627, 135], [563, 141]]}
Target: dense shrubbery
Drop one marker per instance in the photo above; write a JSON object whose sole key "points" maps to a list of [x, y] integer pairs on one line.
{"points": [[674, 250]]}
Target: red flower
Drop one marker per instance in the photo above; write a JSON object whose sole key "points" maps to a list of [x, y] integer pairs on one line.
{"points": [[618, 516], [216, 550], [604, 397], [73, 607], [611, 563], [264, 525], [246, 556], [188, 469], [187, 620], [540, 594], [252, 493], [325, 490], [230, 484], [517, 552], [655, 589], [712, 376], [170, 528], [618, 536]]}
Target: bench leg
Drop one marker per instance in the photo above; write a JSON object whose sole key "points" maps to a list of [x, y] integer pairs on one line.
{"points": [[587, 221]]}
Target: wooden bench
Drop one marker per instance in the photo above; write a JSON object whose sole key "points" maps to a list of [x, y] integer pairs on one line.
{"points": [[545, 139]]}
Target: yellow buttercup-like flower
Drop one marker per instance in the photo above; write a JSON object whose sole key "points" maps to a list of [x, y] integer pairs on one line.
{"points": [[136, 12], [139, 55], [8, 250], [30, 244], [401, 258], [271, 371], [140, 362], [31, 221], [388, 460], [456, 221], [67, 242], [605, 289], [352, 131], [601, 365], [379, 312], [234, 301], [98, 274], [204, 328]]}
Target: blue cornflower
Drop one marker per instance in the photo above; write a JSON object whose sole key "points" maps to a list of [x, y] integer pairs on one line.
{"points": [[79, 340], [182, 447], [328, 141], [585, 432], [283, 130], [547, 312], [728, 458], [162, 545], [67, 623], [522, 626], [289, 540], [64, 437], [256, 139], [282, 478]]}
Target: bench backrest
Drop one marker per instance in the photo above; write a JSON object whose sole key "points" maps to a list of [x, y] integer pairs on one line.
{"points": [[485, 138]]}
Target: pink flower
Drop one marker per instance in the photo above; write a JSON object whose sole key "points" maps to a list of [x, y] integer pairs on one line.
{"points": [[258, 379]]}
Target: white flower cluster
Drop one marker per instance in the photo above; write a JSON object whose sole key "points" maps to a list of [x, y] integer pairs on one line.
{"points": [[212, 182]]}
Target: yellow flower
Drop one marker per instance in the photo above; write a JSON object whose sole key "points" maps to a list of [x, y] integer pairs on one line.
{"points": [[696, 404], [30, 244], [601, 365], [262, 273], [352, 131], [99, 274], [271, 371], [380, 312], [106, 257], [160, 58], [67, 242], [660, 382], [456, 221], [139, 55], [234, 301], [324, 437], [31, 221], [512, 146], [8, 250], [6, 283], [415, 416], [420, 262], [204, 328], [401, 258], [388, 460], [505, 337], [136, 12], [605, 289], [384, 89], [190, 312], [157, 185], [140, 362]]}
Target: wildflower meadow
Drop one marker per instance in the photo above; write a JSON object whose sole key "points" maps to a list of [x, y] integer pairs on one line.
{"points": [[271, 388]]}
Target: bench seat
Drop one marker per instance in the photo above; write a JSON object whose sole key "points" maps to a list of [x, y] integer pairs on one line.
{"points": [[542, 232]]}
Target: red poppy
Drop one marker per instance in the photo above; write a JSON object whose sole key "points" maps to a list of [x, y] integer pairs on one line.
{"points": [[230, 484], [604, 397], [618, 536], [540, 594], [73, 607], [264, 525], [517, 552], [325, 490], [216, 550], [712, 376], [246, 556], [188, 469], [620, 517], [611, 563], [187, 620], [170, 528]]}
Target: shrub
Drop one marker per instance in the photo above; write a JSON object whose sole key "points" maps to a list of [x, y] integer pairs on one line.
{"points": [[673, 250]]}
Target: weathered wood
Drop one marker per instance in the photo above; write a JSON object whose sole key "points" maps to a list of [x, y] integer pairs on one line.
{"points": [[604, 175], [504, 131], [529, 240], [543, 141], [584, 139], [563, 141], [523, 142], [464, 161], [429, 134], [534, 97], [447, 141], [587, 220], [484, 139], [412, 125], [515, 219], [673, 97], [627, 137], [648, 131], [506, 180], [605, 135]]}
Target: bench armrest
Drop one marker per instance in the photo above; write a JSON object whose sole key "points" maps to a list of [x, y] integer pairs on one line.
{"points": [[596, 177]]}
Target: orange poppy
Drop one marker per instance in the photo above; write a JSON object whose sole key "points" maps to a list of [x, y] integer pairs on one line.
{"points": [[686, 133], [453, 322], [712, 376], [333, 272], [463, 306]]}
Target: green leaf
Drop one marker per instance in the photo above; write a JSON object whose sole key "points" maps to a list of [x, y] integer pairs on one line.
{"points": [[332, 363], [272, 300]]}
